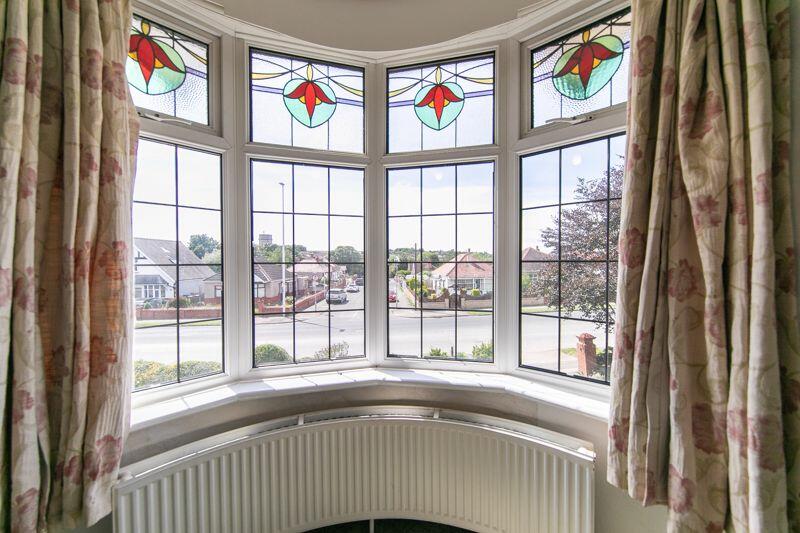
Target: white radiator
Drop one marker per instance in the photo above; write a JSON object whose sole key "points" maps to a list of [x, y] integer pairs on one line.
{"points": [[475, 472]]}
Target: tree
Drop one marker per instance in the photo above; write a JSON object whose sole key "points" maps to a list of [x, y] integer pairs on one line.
{"points": [[271, 253], [202, 244], [348, 254], [214, 260], [583, 238]]}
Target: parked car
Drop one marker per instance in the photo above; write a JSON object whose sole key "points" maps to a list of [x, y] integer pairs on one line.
{"points": [[352, 288], [392, 296], [336, 296], [360, 281]]}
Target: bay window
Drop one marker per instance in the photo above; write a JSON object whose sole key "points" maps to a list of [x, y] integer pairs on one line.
{"points": [[298, 209]]}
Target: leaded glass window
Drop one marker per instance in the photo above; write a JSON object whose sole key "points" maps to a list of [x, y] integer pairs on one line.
{"points": [[178, 282], [582, 72], [441, 105], [167, 71], [310, 104], [440, 261], [308, 262], [570, 200]]}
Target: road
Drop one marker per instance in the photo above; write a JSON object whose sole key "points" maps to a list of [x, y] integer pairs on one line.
{"points": [[204, 342]]}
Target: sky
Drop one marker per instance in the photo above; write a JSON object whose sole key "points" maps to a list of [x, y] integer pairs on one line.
{"points": [[540, 182], [306, 192], [432, 193]]}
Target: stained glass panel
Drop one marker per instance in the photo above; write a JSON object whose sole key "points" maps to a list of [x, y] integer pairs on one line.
{"points": [[297, 102], [441, 105], [167, 71], [583, 72]]}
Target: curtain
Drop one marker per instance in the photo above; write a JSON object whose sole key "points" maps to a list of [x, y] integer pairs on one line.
{"points": [[706, 376], [67, 141]]}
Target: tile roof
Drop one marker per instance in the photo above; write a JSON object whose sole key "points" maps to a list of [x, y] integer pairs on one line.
{"points": [[162, 253], [466, 266]]}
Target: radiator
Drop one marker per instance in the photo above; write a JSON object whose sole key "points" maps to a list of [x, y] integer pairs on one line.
{"points": [[296, 474]]}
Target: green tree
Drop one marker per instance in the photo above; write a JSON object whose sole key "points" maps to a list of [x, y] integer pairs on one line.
{"points": [[583, 238], [214, 260], [348, 254], [271, 253], [201, 244], [526, 284]]}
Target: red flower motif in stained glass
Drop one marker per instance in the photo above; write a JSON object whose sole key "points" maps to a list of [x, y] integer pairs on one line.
{"points": [[149, 53], [439, 96], [586, 58], [310, 94]]}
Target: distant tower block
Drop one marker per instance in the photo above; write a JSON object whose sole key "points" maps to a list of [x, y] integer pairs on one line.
{"points": [[265, 239]]}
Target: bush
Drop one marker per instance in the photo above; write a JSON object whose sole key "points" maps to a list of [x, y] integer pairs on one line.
{"points": [[337, 349], [476, 292], [483, 351], [183, 301], [438, 352], [270, 353], [151, 373], [602, 359]]}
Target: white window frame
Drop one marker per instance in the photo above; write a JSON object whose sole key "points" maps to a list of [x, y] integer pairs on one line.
{"points": [[228, 134], [594, 125]]}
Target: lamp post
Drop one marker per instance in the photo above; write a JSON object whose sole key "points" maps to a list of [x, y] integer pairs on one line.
{"points": [[283, 246]]}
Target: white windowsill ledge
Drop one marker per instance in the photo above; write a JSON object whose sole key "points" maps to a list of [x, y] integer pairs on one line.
{"points": [[589, 401]]}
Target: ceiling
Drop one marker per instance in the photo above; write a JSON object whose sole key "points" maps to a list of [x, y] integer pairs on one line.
{"points": [[374, 25]]}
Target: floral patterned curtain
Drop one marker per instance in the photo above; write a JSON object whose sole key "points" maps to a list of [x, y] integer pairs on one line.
{"points": [[67, 137], [705, 412]]}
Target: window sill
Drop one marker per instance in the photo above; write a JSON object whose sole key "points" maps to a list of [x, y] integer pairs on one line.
{"points": [[583, 398]]}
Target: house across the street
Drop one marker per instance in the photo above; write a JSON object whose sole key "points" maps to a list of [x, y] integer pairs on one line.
{"points": [[466, 273], [156, 272]]}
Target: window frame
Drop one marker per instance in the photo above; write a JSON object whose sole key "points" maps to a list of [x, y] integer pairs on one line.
{"points": [[410, 360], [606, 122], [552, 32], [559, 261], [216, 137], [293, 312], [499, 47], [177, 144], [248, 152]]}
